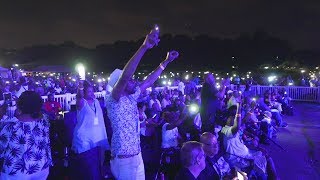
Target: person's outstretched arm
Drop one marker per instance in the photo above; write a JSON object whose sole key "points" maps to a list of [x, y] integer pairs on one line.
{"points": [[237, 121], [171, 56], [151, 40], [79, 97]]}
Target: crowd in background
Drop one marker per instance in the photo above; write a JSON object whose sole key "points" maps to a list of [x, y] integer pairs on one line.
{"points": [[212, 132], [61, 83], [43, 86], [168, 118], [137, 131], [171, 117]]}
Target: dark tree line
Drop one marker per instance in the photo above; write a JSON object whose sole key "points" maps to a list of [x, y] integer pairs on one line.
{"points": [[248, 51]]}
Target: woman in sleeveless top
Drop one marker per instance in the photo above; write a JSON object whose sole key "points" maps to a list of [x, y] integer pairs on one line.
{"points": [[90, 137]]}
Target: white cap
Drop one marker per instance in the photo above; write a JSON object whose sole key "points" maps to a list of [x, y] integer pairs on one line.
{"points": [[114, 77]]}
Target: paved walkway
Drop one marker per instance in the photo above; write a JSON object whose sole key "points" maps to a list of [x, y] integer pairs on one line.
{"points": [[301, 139]]}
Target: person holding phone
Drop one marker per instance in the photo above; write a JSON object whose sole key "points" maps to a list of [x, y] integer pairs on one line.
{"points": [[90, 139], [126, 160]]}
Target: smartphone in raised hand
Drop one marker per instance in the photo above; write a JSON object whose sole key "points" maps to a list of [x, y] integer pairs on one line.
{"points": [[156, 28]]}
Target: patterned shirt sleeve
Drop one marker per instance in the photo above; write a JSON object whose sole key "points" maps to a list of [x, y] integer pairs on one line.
{"points": [[3, 139], [137, 93]]}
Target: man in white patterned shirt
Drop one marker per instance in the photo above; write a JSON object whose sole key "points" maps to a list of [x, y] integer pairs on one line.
{"points": [[126, 162]]}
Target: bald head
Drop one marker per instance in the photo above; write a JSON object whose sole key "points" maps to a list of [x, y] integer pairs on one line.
{"points": [[210, 144], [207, 137]]}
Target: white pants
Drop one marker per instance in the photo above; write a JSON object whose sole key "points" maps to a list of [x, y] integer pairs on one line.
{"points": [[128, 168], [41, 175]]}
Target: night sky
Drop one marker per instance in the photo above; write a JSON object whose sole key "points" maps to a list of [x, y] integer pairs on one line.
{"points": [[89, 23]]}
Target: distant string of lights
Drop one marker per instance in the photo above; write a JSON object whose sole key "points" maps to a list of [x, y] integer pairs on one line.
{"points": [[168, 78]]}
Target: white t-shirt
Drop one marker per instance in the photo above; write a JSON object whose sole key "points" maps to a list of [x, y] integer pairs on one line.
{"points": [[233, 144], [169, 137]]}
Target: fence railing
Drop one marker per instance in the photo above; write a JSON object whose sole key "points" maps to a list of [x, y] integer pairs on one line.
{"points": [[66, 100], [297, 93]]}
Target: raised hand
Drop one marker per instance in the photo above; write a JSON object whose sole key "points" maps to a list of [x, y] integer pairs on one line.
{"points": [[152, 39], [171, 56]]}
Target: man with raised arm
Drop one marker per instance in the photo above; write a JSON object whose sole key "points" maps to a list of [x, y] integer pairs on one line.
{"points": [[239, 152], [126, 161], [211, 101]]}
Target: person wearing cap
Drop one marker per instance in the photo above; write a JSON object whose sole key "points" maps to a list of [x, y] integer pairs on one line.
{"points": [[126, 160]]}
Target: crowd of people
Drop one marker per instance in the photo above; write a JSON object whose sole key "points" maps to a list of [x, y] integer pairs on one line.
{"points": [[230, 124], [200, 133], [44, 85]]}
